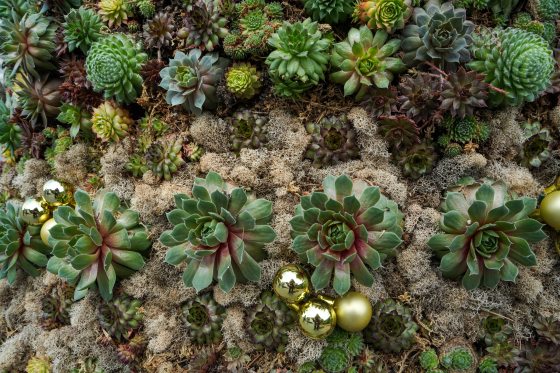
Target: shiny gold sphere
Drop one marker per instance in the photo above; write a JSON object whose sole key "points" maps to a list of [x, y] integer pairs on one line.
{"points": [[550, 209], [57, 193], [291, 283], [353, 311], [35, 211], [45, 234], [317, 318]]}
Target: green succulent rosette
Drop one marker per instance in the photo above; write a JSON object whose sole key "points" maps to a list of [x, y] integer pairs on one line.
{"points": [[96, 242], [388, 15], [345, 229], [220, 232], [487, 234]]}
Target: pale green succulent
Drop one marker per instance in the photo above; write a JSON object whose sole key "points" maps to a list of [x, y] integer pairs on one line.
{"points": [[82, 28]]}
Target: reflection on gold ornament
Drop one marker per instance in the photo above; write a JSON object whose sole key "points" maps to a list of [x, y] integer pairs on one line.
{"points": [[45, 234], [35, 211], [316, 317], [57, 193], [291, 283], [353, 311]]}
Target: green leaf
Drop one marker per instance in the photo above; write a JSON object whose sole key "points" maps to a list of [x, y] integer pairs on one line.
{"points": [[322, 274], [509, 271], [453, 264], [260, 210], [204, 274], [477, 212], [341, 282], [130, 259], [440, 242], [83, 201], [454, 222], [83, 261], [301, 244], [175, 255], [261, 233]]}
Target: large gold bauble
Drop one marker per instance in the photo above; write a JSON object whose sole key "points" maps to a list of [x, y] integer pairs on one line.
{"points": [[550, 209], [57, 193], [45, 234], [353, 311], [317, 318], [35, 211], [291, 283]]}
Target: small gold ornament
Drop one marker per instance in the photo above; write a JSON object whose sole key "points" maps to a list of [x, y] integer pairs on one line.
{"points": [[316, 317], [353, 311], [45, 230], [35, 211], [57, 193], [291, 283], [550, 209]]}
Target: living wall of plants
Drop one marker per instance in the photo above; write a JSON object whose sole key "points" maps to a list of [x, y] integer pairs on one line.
{"points": [[279, 186]]}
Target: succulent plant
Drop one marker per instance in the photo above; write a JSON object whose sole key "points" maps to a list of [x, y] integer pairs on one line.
{"points": [[463, 131], [329, 11], [419, 97], [429, 359], [225, 246], [114, 12], [193, 152], [21, 246], [495, 330], [344, 228], [438, 33], [392, 328], [19, 7], [110, 122], [38, 365], [463, 91], [488, 365], [38, 98], [150, 73], [236, 359], [130, 352], [120, 317], [299, 59], [268, 323], [28, 43], [418, 160], [548, 10], [204, 25], [159, 31], [76, 117], [537, 145], [113, 66], [458, 359], [365, 60], [76, 88], [147, 8], [82, 28], [399, 131], [136, 165], [487, 234], [32, 140], [548, 328], [332, 140], [191, 80], [352, 343], [381, 101], [96, 242], [540, 357], [10, 132], [388, 15], [243, 80], [164, 158], [203, 318], [247, 130], [334, 359], [55, 307], [496, 52]]}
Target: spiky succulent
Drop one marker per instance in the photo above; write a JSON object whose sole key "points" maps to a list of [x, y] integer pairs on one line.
{"points": [[389, 15], [220, 232], [333, 140], [113, 67], [114, 12], [329, 11], [110, 122], [392, 328], [164, 158], [340, 231], [516, 61], [548, 10], [96, 242], [159, 31], [463, 131], [82, 28], [76, 88], [487, 234], [120, 317], [548, 328], [247, 130], [204, 25], [418, 160], [76, 117], [463, 91], [55, 307], [147, 8], [268, 323], [203, 318], [495, 330], [399, 131], [28, 43], [438, 33], [365, 60], [537, 145], [191, 80], [19, 7], [32, 140], [299, 59], [334, 359], [20, 245], [150, 73], [10, 132], [243, 80], [39, 98], [419, 97]]}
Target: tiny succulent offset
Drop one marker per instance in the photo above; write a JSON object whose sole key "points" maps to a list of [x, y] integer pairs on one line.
{"points": [[220, 232], [345, 229]]}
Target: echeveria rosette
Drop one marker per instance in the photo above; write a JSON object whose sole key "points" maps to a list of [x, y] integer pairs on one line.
{"points": [[345, 229], [365, 60], [113, 67], [20, 245], [388, 15], [220, 232], [329, 11], [96, 242], [486, 234]]}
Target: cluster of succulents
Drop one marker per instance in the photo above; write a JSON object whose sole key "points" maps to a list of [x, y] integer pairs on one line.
{"points": [[462, 134]]}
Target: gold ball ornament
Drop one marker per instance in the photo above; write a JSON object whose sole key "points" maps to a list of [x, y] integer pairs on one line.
{"points": [[353, 311], [291, 283], [317, 318], [35, 211], [57, 193], [45, 230], [550, 209]]}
